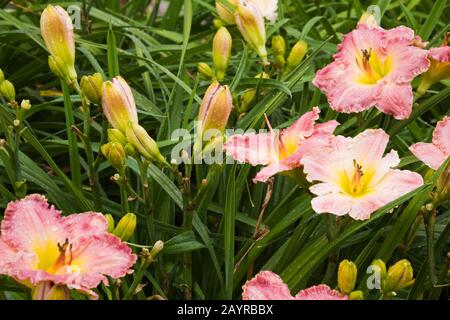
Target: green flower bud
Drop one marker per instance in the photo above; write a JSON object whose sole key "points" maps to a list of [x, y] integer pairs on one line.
{"points": [[59, 68], [205, 71], [115, 154], [115, 135], [141, 140], [92, 87], [382, 269], [110, 220], [347, 273], [279, 51], [129, 150], [356, 295], [221, 52], [2, 76], [25, 104], [399, 276], [296, 55], [7, 90], [126, 226], [46, 290]]}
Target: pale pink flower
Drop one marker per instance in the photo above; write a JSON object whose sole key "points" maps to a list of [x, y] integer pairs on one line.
{"points": [[267, 285], [39, 245], [354, 177], [374, 67], [281, 151], [434, 154]]}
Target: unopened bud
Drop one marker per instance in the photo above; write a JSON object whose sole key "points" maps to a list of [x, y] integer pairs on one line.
{"points": [[279, 51], [250, 23], [205, 71], [129, 150], [46, 290], [144, 144], [7, 90], [296, 55], [92, 87], [115, 135], [368, 18], [347, 273], [126, 226], [110, 220], [2, 76], [25, 104], [356, 295], [226, 14], [221, 52], [399, 276], [115, 154], [248, 97]]}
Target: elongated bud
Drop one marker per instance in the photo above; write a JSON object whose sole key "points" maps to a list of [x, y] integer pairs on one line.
{"points": [[2, 76], [279, 51], [126, 226], [399, 276], [144, 144], [110, 220], [46, 290], [25, 104], [7, 90], [215, 108], [248, 97], [226, 14], [115, 154], [250, 23], [205, 71], [221, 51], [129, 150], [57, 32], [296, 55], [347, 273], [380, 269], [369, 17], [356, 295], [92, 87], [115, 135], [439, 68], [118, 104]]}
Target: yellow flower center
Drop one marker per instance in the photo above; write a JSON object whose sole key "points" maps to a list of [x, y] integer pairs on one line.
{"points": [[51, 258], [288, 146], [357, 182], [372, 66]]}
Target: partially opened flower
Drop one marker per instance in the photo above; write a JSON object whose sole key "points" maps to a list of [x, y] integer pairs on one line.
{"points": [[354, 177], [268, 8], [373, 67], [267, 285], [118, 103], [38, 246], [57, 32], [281, 151], [434, 154], [439, 68]]}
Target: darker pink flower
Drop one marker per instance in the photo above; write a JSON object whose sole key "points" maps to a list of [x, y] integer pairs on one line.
{"points": [[355, 178], [374, 67], [281, 151], [434, 154], [267, 285], [39, 245]]}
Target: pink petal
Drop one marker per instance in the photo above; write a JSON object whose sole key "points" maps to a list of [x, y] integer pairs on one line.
{"points": [[251, 148], [31, 223], [441, 135], [429, 154], [396, 99], [84, 225], [313, 145], [8, 256], [266, 285], [407, 63], [326, 127], [265, 173], [368, 147], [303, 126], [320, 292], [441, 54], [335, 203], [398, 36]]}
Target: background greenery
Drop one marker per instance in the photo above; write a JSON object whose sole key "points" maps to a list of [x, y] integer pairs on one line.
{"points": [[158, 55]]}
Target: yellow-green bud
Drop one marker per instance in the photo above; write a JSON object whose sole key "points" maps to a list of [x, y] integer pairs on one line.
{"points": [[2, 75], [205, 71], [399, 276], [92, 87], [356, 295], [279, 51], [296, 55], [115, 154], [221, 52], [58, 67], [115, 135], [225, 13], [125, 228], [46, 290], [7, 90], [347, 273], [141, 140], [25, 104], [129, 150], [110, 220], [249, 95], [382, 269]]}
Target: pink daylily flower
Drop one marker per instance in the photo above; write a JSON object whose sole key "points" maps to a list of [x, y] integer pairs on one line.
{"points": [[434, 154], [439, 67], [374, 67], [39, 245], [281, 151], [354, 177], [267, 285]]}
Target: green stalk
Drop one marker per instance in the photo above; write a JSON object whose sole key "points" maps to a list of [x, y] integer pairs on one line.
{"points": [[430, 224]]}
